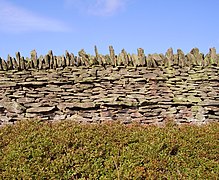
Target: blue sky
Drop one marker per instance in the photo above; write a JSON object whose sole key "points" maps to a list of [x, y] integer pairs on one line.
{"points": [[154, 25]]}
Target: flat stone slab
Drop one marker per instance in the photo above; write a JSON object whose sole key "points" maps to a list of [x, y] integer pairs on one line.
{"points": [[40, 109], [33, 83], [7, 84]]}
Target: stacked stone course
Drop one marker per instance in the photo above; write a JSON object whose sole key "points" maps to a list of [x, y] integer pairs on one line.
{"points": [[124, 87]]}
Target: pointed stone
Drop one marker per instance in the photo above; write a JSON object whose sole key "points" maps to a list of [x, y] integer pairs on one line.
{"points": [[4, 65], [55, 62], [33, 58], [15, 64], [198, 59], [141, 57], [97, 56], [47, 61], [157, 59], [190, 59], [78, 61], [103, 60], [112, 56], [134, 58], [59, 61], [213, 55], [51, 59], [120, 60], [84, 57], [1, 67], [63, 61], [151, 63], [18, 57], [67, 56], [130, 60], [72, 59], [22, 63], [169, 57], [29, 63], [125, 57], [181, 58], [41, 62], [163, 59], [9, 62]]}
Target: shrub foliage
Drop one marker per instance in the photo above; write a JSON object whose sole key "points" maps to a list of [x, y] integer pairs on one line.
{"points": [[65, 150]]}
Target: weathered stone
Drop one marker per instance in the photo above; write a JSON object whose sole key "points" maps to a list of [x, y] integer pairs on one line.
{"points": [[198, 57], [186, 90], [194, 99], [59, 117], [72, 60], [22, 63], [84, 57], [10, 63], [14, 64], [213, 56], [112, 56], [141, 57], [33, 55], [31, 115], [1, 66], [68, 58], [33, 83], [213, 117], [29, 64], [25, 100], [179, 99], [32, 104], [5, 118], [1, 108], [53, 88], [78, 118], [169, 58], [47, 62], [7, 84], [76, 105], [63, 62], [158, 59], [97, 54], [181, 58], [151, 63], [40, 109], [51, 60], [190, 59], [122, 59], [34, 95], [12, 106], [4, 65]]}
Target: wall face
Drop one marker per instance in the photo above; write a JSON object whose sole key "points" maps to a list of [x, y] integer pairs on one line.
{"points": [[140, 89], [121, 93]]}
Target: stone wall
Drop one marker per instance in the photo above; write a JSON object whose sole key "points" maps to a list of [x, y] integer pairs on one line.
{"points": [[130, 88]]}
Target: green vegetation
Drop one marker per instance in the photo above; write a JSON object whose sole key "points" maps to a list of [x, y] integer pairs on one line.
{"points": [[65, 150]]}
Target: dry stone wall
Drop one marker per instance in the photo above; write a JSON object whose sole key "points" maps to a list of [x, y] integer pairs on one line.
{"points": [[130, 88]]}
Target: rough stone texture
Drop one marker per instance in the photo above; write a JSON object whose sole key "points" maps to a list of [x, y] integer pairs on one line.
{"points": [[129, 88], [33, 55]]}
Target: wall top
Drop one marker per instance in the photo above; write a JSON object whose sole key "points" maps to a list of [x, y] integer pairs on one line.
{"points": [[50, 61]]}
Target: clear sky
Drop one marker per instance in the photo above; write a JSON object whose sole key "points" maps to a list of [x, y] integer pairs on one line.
{"points": [[154, 25]]}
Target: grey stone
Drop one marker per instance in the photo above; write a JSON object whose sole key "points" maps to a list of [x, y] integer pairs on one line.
{"points": [[33, 83], [59, 117], [5, 118], [12, 106], [40, 109], [169, 57], [34, 60]]}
